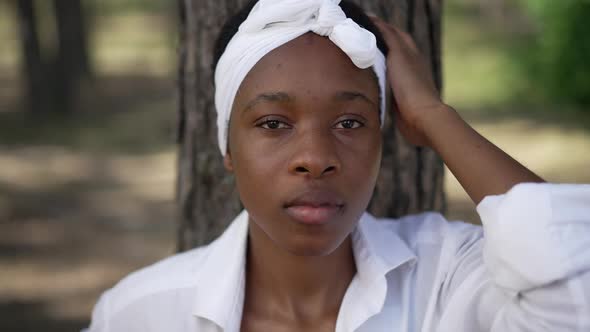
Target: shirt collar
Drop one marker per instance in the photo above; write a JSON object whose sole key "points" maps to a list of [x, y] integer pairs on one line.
{"points": [[377, 252], [221, 279]]}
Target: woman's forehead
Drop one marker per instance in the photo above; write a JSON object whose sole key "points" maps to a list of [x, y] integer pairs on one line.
{"points": [[309, 62]]}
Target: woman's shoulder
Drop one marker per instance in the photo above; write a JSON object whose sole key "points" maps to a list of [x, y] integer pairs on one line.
{"points": [[428, 228], [171, 274]]}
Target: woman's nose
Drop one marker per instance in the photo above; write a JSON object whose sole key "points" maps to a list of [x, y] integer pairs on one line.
{"points": [[314, 155]]}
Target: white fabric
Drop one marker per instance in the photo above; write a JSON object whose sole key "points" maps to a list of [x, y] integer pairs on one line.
{"points": [[273, 23], [531, 272]]}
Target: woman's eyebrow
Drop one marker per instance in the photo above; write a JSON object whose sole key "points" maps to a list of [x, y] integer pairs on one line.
{"points": [[270, 97], [351, 95]]}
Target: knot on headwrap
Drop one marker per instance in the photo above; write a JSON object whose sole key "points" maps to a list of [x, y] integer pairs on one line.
{"points": [[323, 17], [273, 23]]}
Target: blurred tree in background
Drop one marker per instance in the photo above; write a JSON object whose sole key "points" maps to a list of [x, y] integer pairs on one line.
{"points": [[52, 73], [557, 59], [56, 34]]}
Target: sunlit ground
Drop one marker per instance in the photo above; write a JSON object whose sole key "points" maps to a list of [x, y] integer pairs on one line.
{"points": [[86, 200]]}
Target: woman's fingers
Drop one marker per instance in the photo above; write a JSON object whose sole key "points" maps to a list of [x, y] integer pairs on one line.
{"points": [[393, 35], [410, 79], [408, 40], [386, 29]]}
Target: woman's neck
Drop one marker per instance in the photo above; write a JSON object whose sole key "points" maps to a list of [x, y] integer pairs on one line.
{"points": [[295, 288]]}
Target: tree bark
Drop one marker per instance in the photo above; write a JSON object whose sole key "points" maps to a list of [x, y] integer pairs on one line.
{"points": [[411, 178], [72, 36], [51, 81], [72, 62], [37, 96]]}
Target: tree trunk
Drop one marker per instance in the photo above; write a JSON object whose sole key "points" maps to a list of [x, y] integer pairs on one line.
{"points": [[71, 63], [52, 83], [37, 97], [411, 178], [72, 36]]}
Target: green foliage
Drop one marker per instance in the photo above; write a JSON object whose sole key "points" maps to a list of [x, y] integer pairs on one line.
{"points": [[481, 64], [559, 58]]}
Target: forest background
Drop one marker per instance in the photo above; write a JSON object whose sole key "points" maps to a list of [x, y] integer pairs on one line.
{"points": [[87, 182]]}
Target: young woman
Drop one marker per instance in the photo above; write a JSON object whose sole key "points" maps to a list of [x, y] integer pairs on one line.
{"points": [[300, 102]]}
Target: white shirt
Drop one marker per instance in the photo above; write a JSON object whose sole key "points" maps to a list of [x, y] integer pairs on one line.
{"points": [[530, 272]]}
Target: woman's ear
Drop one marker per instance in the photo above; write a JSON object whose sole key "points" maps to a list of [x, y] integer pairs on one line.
{"points": [[227, 162]]}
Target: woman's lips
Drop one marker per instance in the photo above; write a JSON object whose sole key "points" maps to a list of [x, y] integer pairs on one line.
{"points": [[313, 215], [314, 207]]}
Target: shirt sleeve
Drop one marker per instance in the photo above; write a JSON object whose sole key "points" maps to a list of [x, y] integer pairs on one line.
{"points": [[531, 270], [99, 321]]}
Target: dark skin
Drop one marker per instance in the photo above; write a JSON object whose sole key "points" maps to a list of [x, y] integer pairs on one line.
{"points": [[302, 123], [305, 123]]}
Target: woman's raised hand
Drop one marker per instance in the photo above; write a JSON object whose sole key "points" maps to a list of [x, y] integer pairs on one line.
{"points": [[481, 167], [410, 79]]}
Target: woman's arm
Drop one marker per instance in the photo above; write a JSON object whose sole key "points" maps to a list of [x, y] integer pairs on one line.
{"points": [[532, 271], [481, 167]]}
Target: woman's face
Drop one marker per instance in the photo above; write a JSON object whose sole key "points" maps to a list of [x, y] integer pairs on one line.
{"points": [[305, 145]]}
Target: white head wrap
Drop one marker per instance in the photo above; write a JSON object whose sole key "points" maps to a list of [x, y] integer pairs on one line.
{"points": [[273, 23]]}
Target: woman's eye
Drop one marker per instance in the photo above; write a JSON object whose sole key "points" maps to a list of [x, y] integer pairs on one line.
{"points": [[273, 124], [349, 124]]}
